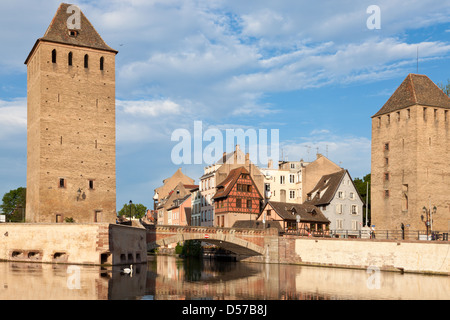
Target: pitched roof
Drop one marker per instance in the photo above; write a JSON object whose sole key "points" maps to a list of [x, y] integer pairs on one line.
{"points": [[307, 212], [224, 188], [58, 32], [326, 188], [416, 89]]}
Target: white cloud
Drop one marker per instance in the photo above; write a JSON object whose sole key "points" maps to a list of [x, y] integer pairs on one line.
{"points": [[149, 108], [350, 152], [13, 117]]}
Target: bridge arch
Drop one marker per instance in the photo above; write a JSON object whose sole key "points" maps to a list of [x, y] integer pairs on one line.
{"points": [[246, 242]]}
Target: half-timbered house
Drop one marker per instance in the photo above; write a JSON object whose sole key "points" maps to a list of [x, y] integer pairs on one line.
{"points": [[237, 198]]}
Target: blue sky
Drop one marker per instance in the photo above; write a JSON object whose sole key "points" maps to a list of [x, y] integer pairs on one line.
{"points": [[311, 69]]}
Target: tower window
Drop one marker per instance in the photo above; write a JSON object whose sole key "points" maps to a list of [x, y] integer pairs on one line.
{"points": [[91, 184], [73, 33], [86, 61], [62, 183], [102, 63], [54, 56], [70, 58]]}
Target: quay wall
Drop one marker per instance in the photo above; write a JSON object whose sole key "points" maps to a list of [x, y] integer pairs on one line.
{"points": [[94, 243], [431, 257]]}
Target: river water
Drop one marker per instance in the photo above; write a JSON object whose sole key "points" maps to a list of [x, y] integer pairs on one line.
{"points": [[172, 278]]}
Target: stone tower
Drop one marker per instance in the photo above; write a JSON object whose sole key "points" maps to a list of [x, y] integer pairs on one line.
{"points": [[411, 158], [71, 123]]}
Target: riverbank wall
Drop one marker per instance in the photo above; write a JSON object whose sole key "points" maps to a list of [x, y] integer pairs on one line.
{"points": [[72, 243], [429, 257]]}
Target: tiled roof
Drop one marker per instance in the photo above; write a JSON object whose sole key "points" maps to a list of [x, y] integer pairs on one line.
{"points": [[307, 212], [326, 188], [416, 89], [224, 188], [86, 36]]}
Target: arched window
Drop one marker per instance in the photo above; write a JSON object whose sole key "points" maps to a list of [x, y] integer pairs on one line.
{"points": [[102, 63], [70, 58], [54, 56], [86, 61]]}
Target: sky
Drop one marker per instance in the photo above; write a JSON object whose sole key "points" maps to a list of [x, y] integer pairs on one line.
{"points": [[314, 71]]}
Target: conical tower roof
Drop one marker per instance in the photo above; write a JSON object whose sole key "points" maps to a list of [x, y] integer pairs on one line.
{"points": [[416, 89], [59, 32]]}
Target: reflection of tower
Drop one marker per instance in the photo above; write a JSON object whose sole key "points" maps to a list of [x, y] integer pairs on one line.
{"points": [[71, 125]]}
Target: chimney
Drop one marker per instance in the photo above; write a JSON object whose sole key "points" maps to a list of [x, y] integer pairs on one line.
{"points": [[270, 164], [247, 159], [319, 155], [224, 157]]}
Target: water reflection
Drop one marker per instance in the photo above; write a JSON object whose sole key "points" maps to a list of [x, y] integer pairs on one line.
{"points": [[169, 278]]}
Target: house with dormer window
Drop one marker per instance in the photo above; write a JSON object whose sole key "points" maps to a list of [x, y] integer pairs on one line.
{"points": [[336, 196]]}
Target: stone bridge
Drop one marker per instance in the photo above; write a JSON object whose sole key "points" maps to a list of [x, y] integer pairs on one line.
{"points": [[243, 242]]}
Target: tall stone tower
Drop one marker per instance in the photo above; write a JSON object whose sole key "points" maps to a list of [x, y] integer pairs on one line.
{"points": [[411, 158], [71, 123]]}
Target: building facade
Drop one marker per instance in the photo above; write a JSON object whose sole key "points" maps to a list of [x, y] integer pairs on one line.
{"points": [[71, 125], [237, 198], [336, 196], [410, 158]]}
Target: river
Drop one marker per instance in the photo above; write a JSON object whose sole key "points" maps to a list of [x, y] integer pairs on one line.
{"points": [[171, 278]]}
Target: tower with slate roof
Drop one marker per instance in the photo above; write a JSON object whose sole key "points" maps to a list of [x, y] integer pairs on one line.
{"points": [[71, 123], [411, 158]]}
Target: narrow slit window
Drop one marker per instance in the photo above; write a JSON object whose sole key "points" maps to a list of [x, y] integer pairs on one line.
{"points": [[54, 56], [91, 184], [62, 183], [86, 61], [70, 59], [102, 63]]}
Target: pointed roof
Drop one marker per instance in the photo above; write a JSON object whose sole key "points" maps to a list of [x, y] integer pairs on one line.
{"points": [[289, 211], [416, 89], [224, 188], [58, 32]]}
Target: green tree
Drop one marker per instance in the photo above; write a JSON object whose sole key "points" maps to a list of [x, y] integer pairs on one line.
{"points": [[14, 204], [361, 187], [445, 87], [137, 210]]}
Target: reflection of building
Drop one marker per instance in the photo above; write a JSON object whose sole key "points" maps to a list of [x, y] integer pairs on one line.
{"points": [[410, 157], [71, 125], [237, 198], [337, 197]]}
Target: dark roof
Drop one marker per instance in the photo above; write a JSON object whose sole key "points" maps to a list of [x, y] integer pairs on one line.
{"points": [[416, 89], [224, 188], [307, 212], [254, 224], [59, 33], [326, 188]]}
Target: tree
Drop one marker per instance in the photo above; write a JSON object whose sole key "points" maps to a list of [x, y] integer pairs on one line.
{"points": [[445, 87], [14, 204], [137, 210], [361, 187]]}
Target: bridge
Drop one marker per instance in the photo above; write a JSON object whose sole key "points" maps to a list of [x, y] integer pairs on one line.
{"points": [[242, 242]]}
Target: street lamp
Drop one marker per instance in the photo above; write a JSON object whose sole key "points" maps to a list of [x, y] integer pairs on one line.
{"points": [[298, 224], [131, 202], [428, 217]]}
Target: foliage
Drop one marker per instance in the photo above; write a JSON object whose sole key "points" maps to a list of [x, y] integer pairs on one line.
{"points": [[137, 210], [69, 220], [192, 248], [14, 204], [445, 87], [361, 187]]}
